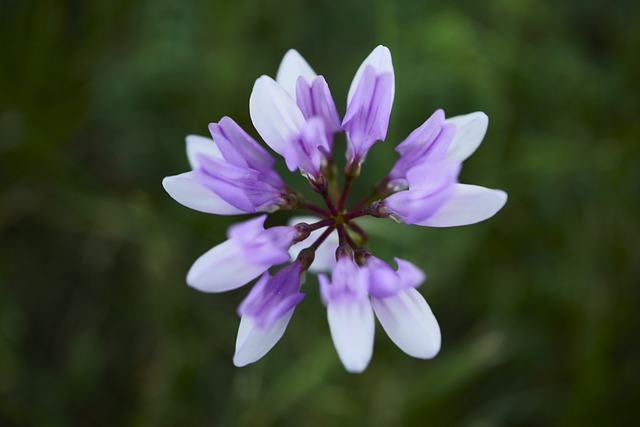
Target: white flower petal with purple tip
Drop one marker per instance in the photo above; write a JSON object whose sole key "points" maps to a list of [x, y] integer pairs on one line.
{"points": [[369, 104], [249, 252], [349, 314], [275, 114], [467, 204], [293, 65], [367, 118], [186, 190], [272, 297], [254, 342], [352, 330], [409, 322], [265, 312], [470, 130], [380, 60]]}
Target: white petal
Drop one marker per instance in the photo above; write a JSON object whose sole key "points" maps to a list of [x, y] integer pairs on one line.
{"points": [[352, 328], [409, 322], [467, 205], [253, 343], [186, 190], [380, 60], [470, 129], [197, 145], [325, 259], [223, 268], [292, 66], [275, 114]]}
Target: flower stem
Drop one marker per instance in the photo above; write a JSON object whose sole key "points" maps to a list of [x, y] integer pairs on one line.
{"points": [[345, 191], [351, 215], [314, 209], [342, 239], [321, 223], [321, 239], [329, 203]]}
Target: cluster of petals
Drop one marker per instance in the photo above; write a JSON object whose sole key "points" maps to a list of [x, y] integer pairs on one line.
{"points": [[296, 116]]}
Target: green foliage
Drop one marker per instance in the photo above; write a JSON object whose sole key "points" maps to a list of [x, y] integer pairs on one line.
{"points": [[538, 306]]}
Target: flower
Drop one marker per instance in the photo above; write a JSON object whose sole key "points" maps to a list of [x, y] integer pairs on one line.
{"points": [[297, 118]]}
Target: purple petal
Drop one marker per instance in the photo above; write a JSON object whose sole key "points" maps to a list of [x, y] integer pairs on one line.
{"points": [[426, 144], [262, 246], [307, 152], [430, 185], [272, 297], [385, 282], [238, 148], [240, 187], [314, 100], [367, 116], [410, 275], [380, 60], [431, 177], [349, 282]]}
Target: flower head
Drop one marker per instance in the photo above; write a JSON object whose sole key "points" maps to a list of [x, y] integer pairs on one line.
{"points": [[297, 118]]}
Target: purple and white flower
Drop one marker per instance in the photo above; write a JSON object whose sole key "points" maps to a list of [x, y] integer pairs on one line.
{"points": [[296, 116]]}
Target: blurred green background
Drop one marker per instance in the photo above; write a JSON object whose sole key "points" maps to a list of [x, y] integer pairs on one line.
{"points": [[538, 306]]}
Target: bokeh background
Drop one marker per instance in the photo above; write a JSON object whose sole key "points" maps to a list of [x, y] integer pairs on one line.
{"points": [[538, 306]]}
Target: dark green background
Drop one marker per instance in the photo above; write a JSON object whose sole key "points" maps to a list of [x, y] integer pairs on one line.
{"points": [[538, 306]]}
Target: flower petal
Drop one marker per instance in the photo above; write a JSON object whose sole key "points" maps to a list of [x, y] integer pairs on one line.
{"points": [[253, 342], [200, 145], [314, 100], [223, 268], [380, 60], [238, 147], [293, 65], [467, 204], [352, 329], [187, 191], [470, 129], [274, 113], [367, 118], [241, 187], [409, 322], [410, 275]]}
